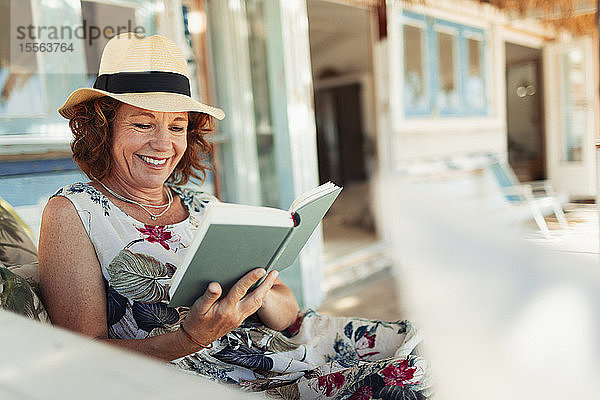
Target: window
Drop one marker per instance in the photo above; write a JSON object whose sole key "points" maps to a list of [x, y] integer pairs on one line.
{"points": [[447, 95], [474, 83], [574, 107], [444, 72], [416, 93], [35, 80], [35, 158], [104, 15]]}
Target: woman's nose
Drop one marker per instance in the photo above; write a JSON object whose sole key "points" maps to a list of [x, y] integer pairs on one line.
{"points": [[161, 138]]}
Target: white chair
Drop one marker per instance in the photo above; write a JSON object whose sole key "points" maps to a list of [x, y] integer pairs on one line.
{"points": [[535, 199]]}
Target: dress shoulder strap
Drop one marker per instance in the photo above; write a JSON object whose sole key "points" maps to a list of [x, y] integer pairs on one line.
{"points": [[194, 200], [88, 202], [84, 196]]}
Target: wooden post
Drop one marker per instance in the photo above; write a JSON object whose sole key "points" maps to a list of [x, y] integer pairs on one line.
{"points": [[382, 19], [597, 140]]}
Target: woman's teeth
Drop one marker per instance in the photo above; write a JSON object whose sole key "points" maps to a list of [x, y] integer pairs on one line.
{"points": [[153, 161]]}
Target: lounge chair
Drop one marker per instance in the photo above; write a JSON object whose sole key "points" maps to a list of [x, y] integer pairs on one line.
{"points": [[530, 199]]}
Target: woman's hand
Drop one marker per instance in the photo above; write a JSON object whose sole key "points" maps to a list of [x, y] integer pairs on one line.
{"points": [[280, 308], [210, 318]]}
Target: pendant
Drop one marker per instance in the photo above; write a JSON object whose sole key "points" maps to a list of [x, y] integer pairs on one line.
{"points": [[153, 218]]}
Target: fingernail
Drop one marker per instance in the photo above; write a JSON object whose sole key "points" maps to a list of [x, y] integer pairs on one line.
{"points": [[275, 274], [213, 288]]}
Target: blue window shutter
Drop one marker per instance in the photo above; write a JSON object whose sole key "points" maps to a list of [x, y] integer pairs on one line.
{"points": [[431, 66]]}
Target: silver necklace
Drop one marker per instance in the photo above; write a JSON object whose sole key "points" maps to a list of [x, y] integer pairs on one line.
{"points": [[153, 217]]}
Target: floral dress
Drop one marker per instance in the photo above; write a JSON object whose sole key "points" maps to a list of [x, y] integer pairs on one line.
{"points": [[317, 357]]}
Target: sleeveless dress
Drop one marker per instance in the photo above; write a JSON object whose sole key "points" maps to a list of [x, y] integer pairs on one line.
{"points": [[317, 357]]}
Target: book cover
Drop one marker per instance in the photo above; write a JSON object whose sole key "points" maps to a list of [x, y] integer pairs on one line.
{"points": [[310, 215], [234, 239]]}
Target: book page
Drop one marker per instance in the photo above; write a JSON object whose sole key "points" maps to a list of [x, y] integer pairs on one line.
{"points": [[236, 214], [311, 213], [312, 195]]}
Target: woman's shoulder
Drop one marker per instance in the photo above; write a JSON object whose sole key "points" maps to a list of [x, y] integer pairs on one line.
{"points": [[83, 193], [76, 188], [193, 199]]}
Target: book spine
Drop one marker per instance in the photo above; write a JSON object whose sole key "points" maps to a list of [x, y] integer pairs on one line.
{"points": [[279, 249], [275, 257]]}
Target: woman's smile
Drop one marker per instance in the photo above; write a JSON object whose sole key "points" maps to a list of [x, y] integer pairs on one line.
{"points": [[147, 145], [153, 161]]}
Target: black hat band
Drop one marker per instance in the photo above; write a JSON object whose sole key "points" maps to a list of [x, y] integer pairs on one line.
{"points": [[143, 82]]}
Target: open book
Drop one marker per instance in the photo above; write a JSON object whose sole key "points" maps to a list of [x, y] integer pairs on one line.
{"points": [[233, 239]]}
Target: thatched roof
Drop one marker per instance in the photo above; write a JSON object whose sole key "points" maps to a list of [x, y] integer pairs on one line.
{"points": [[577, 16]]}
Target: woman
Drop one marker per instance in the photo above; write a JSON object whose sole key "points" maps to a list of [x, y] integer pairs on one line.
{"points": [[109, 247]]}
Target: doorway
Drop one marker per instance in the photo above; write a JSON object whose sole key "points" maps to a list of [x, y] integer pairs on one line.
{"points": [[525, 113], [340, 44], [340, 136]]}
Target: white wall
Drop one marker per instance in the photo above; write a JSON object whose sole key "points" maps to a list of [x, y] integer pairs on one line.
{"points": [[447, 137], [578, 179]]}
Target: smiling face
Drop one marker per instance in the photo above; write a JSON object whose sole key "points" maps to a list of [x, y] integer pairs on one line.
{"points": [[147, 145]]}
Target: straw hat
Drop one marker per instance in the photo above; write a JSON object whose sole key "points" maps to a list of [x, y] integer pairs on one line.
{"points": [[146, 72]]}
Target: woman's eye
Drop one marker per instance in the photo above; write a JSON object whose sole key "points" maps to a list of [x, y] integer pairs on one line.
{"points": [[178, 129], [143, 126]]}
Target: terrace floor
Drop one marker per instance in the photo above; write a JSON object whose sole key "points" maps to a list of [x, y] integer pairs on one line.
{"points": [[377, 297]]}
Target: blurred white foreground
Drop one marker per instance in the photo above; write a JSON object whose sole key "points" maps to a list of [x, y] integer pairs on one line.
{"points": [[501, 317], [43, 362]]}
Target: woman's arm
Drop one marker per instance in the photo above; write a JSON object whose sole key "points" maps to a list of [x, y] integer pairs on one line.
{"points": [[280, 308], [73, 291], [70, 276]]}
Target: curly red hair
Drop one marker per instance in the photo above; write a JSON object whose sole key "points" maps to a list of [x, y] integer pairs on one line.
{"points": [[91, 125]]}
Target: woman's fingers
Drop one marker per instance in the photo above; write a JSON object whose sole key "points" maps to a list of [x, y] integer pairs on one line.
{"points": [[222, 316], [241, 287], [254, 300], [210, 296]]}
